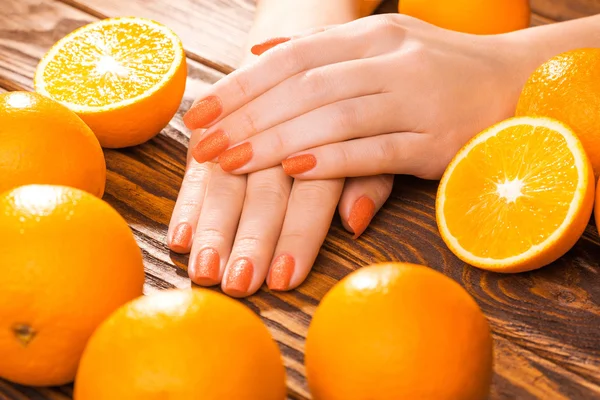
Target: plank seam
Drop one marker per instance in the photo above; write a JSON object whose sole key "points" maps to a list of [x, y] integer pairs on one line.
{"points": [[192, 56], [9, 85]]}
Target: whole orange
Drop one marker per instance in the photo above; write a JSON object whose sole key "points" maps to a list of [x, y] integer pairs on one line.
{"points": [[597, 207], [43, 142], [479, 17], [567, 88], [181, 344], [398, 331], [67, 260]]}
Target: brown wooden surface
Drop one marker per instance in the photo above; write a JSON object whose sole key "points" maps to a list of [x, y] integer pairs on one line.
{"points": [[546, 323]]}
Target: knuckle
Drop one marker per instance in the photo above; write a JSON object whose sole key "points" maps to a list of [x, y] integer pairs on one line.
{"points": [[268, 192], [388, 24], [313, 82], [197, 175], [295, 235], [243, 84], [343, 157], [418, 58], [278, 143], [206, 235], [383, 186], [311, 194], [289, 58], [248, 122], [345, 118], [248, 241], [221, 189], [389, 153]]}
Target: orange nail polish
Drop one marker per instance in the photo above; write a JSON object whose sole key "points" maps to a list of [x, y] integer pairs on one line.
{"points": [[361, 214], [299, 164], [203, 112], [206, 268], [239, 277], [182, 237], [281, 272], [211, 146], [260, 48], [236, 157]]}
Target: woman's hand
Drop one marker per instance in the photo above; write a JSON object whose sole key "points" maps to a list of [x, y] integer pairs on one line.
{"points": [[242, 229], [384, 94]]}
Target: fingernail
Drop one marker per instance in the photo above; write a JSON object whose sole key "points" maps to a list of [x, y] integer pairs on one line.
{"points": [[361, 214], [236, 157], [203, 112], [206, 268], [239, 277], [211, 146], [182, 236], [260, 48], [299, 164], [281, 272]]}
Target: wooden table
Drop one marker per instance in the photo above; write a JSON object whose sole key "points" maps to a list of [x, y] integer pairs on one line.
{"points": [[546, 323]]}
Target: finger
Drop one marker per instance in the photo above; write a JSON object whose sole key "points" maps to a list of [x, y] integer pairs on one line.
{"points": [[337, 122], [311, 207], [312, 90], [361, 199], [395, 153], [216, 227], [262, 47], [260, 225], [188, 206], [345, 42]]}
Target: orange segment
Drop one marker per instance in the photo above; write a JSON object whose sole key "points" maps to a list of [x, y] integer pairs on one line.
{"points": [[517, 196], [125, 77]]}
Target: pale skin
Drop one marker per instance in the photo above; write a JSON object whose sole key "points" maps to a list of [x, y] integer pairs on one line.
{"points": [[266, 214], [382, 95]]}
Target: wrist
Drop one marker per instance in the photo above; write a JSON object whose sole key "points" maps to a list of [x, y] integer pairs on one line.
{"points": [[276, 18], [534, 46]]}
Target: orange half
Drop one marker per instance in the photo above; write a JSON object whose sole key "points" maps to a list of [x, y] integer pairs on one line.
{"points": [[517, 196], [125, 77]]}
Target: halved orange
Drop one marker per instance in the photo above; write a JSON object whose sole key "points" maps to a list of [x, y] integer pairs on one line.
{"points": [[517, 196], [125, 77]]}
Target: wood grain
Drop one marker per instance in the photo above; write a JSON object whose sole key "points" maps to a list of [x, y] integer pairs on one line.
{"points": [[561, 10], [545, 323], [213, 32]]}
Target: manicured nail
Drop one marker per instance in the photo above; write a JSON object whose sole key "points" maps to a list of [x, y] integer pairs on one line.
{"points": [[239, 277], [182, 237], [361, 214], [236, 157], [205, 268], [260, 48], [203, 112], [281, 272], [211, 146], [299, 164]]}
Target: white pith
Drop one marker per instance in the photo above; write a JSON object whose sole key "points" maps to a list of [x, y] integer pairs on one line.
{"points": [[511, 189], [110, 65]]}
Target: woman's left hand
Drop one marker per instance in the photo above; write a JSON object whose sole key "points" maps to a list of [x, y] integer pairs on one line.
{"points": [[383, 94]]}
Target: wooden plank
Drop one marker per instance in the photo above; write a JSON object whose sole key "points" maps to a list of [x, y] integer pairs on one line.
{"points": [[561, 10], [544, 322], [213, 32]]}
